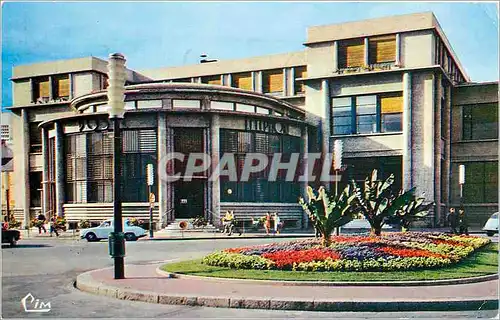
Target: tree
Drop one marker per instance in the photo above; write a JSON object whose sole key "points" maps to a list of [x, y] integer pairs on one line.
{"points": [[327, 211], [377, 202], [413, 210]]}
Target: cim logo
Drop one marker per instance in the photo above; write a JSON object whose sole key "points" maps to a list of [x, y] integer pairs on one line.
{"points": [[30, 304]]}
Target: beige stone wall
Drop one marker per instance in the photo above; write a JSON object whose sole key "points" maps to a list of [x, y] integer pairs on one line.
{"points": [[344, 86], [21, 92], [320, 60], [83, 83], [20, 156], [417, 49], [371, 145], [60, 66]]}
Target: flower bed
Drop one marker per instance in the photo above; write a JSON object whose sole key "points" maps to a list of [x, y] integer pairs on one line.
{"points": [[389, 252]]}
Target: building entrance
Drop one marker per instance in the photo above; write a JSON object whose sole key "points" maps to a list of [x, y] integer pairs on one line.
{"points": [[189, 199]]}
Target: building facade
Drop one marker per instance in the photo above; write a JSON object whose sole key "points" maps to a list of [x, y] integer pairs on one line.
{"points": [[391, 89]]}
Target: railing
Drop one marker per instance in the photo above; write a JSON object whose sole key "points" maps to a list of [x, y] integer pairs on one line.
{"points": [[164, 217], [210, 215]]}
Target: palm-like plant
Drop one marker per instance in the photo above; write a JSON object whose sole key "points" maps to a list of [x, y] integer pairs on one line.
{"points": [[413, 210], [377, 202], [327, 211]]}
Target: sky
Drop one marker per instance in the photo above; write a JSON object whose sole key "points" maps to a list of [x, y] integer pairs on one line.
{"points": [[161, 34]]}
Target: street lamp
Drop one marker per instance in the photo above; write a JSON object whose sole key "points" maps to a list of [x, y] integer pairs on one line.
{"points": [[461, 181], [116, 104], [150, 176], [337, 165]]}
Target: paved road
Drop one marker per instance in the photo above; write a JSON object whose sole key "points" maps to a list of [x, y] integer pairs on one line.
{"points": [[47, 268]]}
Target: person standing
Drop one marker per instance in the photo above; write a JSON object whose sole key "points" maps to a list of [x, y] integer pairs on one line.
{"points": [[41, 226], [463, 225], [277, 223], [452, 219], [53, 226]]}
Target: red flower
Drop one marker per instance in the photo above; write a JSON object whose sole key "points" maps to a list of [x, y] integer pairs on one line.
{"points": [[408, 253], [286, 259]]}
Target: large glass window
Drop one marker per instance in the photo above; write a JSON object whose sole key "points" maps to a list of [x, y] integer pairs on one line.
{"points": [[89, 166], [481, 182], [367, 114], [480, 121], [342, 115], [258, 188]]}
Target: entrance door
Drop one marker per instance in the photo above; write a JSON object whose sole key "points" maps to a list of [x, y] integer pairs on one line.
{"points": [[189, 199]]}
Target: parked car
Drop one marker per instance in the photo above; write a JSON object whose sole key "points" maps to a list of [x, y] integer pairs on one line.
{"points": [[491, 226], [132, 233], [10, 236], [362, 224]]}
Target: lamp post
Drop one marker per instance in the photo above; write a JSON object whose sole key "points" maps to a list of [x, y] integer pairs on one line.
{"points": [[150, 176], [116, 104], [461, 181], [337, 165]]}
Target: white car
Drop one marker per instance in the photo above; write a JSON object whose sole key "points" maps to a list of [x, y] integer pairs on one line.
{"points": [[132, 233], [491, 226], [361, 224]]}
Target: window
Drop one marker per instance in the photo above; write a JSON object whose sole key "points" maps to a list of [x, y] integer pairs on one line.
{"points": [[480, 121], [41, 89], [35, 189], [360, 168], [183, 80], [61, 86], [146, 104], [342, 116], [186, 104], [391, 109], [272, 81], [366, 114], [351, 53], [35, 138], [258, 188], [5, 133], [481, 182], [382, 49], [89, 166], [242, 81], [215, 80], [244, 107], [299, 72], [261, 110], [219, 105]]}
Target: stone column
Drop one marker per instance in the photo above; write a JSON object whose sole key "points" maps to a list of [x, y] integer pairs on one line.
{"points": [[398, 49], [438, 146], [45, 172], [407, 132], [446, 170], [71, 86], [367, 59], [325, 122], [304, 169], [59, 170], [335, 57], [215, 156], [162, 185], [51, 88], [291, 81], [25, 187], [285, 82]]}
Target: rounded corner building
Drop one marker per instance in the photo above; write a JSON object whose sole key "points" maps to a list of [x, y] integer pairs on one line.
{"points": [[391, 89]]}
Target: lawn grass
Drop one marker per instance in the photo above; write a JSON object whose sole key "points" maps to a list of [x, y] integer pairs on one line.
{"points": [[482, 262]]}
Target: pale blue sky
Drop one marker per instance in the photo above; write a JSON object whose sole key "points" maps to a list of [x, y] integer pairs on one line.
{"points": [[160, 34]]}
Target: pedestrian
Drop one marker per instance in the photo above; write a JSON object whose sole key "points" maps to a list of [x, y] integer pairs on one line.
{"points": [[277, 223], [267, 223], [452, 219], [41, 225], [463, 225], [53, 226]]}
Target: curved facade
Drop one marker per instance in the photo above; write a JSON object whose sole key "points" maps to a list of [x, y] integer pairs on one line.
{"points": [[163, 120]]}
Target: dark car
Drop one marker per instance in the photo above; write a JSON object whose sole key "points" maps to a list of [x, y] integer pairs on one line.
{"points": [[10, 236]]}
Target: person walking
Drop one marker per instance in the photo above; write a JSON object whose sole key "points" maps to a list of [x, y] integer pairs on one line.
{"points": [[41, 226], [267, 223], [463, 225], [53, 226], [452, 219], [277, 223]]}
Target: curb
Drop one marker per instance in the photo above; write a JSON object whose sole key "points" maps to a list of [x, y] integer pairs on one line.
{"points": [[228, 237], [86, 283], [423, 283]]}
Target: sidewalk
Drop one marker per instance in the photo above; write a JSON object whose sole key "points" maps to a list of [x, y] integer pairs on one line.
{"points": [[144, 283]]}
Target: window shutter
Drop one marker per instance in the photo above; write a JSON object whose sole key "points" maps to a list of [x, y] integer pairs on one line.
{"points": [[391, 104], [147, 140], [243, 81], [63, 87], [43, 88], [272, 81], [352, 53], [215, 80], [382, 49], [300, 72]]}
